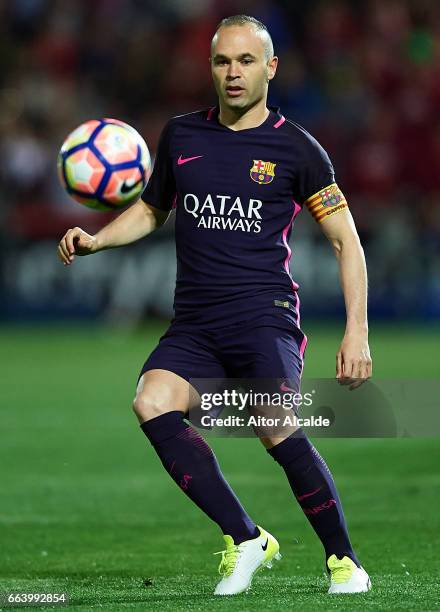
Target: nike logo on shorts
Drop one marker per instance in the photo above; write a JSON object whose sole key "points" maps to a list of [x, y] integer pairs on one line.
{"points": [[184, 160]]}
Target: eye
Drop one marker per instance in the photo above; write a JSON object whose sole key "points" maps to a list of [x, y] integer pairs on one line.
{"points": [[220, 62], [246, 62]]}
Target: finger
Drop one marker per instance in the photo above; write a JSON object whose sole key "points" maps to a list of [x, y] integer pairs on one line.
{"points": [[357, 376], [338, 365], [71, 235], [67, 259], [369, 368], [344, 368], [356, 384], [63, 247], [62, 255], [344, 381], [362, 374], [69, 255], [348, 368], [358, 369], [363, 369], [82, 244]]}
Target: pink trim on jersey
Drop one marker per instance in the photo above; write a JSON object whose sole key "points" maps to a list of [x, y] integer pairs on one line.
{"points": [[279, 122], [174, 201], [295, 286], [210, 113], [296, 210], [304, 341], [302, 348], [297, 310]]}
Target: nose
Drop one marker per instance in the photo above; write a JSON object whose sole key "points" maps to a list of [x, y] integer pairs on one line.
{"points": [[233, 71]]}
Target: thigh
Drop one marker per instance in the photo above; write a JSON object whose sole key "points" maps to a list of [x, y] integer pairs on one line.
{"points": [[189, 353], [267, 352], [269, 360], [159, 391], [169, 378]]}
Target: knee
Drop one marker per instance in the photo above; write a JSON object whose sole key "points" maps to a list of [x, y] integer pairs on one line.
{"points": [[148, 405], [270, 441]]}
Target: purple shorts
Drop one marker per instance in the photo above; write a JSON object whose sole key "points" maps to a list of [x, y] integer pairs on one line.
{"points": [[269, 351]]}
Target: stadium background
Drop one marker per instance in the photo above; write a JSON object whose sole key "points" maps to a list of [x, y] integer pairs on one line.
{"points": [[85, 505]]}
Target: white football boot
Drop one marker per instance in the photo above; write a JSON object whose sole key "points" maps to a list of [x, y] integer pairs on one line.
{"points": [[240, 562], [346, 576]]}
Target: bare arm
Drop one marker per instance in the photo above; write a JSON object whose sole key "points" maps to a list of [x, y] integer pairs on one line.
{"points": [[134, 223], [353, 361]]}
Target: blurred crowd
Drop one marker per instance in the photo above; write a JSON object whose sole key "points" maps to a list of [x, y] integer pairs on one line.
{"points": [[363, 76]]}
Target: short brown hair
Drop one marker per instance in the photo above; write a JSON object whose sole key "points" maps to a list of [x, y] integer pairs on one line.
{"points": [[241, 20]]}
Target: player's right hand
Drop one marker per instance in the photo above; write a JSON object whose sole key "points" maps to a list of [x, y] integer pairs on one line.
{"points": [[76, 242]]}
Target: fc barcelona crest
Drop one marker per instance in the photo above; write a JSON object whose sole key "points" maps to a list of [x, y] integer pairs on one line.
{"points": [[330, 196], [262, 172]]}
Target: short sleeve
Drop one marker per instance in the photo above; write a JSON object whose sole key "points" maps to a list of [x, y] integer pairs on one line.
{"points": [[315, 185], [161, 188]]}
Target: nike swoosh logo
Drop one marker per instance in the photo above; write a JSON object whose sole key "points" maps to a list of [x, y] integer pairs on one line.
{"points": [[264, 546], [126, 187], [301, 497], [184, 160]]}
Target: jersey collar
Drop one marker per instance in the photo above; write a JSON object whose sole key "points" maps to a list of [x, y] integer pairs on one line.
{"points": [[274, 117]]}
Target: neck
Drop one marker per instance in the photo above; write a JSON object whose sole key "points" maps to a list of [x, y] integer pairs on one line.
{"points": [[243, 119]]}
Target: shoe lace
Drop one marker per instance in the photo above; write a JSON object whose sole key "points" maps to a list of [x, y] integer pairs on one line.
{"points": [[341, 570], [229, 559]]}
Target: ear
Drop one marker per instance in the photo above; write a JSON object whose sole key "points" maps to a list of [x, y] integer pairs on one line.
{"points": [[272, 65]]}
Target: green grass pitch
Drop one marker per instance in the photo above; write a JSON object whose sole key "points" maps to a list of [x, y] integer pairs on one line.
{"points": [[86, 507]]}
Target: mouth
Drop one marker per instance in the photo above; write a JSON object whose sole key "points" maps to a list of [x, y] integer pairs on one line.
{"points": [[234, 90]]}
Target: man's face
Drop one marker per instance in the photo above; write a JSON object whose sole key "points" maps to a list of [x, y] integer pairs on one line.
{"points": [[240, 68]]}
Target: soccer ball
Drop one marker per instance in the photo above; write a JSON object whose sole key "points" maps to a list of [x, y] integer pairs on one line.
{"points": [[104, 164]]}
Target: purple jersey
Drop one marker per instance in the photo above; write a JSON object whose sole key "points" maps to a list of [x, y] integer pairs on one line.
{"points": [[236, 195]]}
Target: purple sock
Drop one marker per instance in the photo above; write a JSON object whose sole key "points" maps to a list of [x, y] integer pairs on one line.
{"points": [[192, 465], [315, 491]]}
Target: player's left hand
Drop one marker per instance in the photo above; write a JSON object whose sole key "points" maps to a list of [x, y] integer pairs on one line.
{"points": [[353, 360]]}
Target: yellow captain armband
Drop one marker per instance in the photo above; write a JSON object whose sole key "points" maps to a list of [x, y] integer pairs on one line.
{"points": [[326, 202]]}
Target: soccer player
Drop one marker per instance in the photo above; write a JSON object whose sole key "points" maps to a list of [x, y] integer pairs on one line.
{"points": [[238, 174]]}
